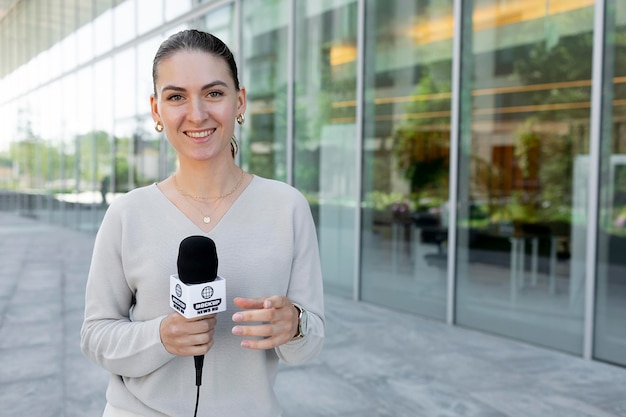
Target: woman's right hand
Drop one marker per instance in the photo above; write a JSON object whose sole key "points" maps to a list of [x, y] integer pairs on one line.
{"points": [[187, 337]]}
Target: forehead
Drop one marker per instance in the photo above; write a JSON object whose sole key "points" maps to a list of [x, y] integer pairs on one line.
{"points": [[190, 68]]}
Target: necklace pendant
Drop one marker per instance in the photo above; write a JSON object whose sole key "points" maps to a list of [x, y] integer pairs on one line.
{"points": [[206, 219]]}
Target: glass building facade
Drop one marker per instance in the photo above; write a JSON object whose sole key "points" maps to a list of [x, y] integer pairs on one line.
{"points": [[463, 159]]}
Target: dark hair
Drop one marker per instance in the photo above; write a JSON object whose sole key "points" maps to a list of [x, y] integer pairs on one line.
{"points": [[194, 40]]}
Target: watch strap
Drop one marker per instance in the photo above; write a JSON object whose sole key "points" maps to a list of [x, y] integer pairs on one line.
{"points": [[299, 333]]}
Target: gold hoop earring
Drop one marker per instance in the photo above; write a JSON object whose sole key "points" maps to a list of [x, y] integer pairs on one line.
{"points": [[234, 146], [241, 119], [158, 126]]}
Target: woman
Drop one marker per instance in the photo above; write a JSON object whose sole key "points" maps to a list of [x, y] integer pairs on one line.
{"points": [[266, 245]]}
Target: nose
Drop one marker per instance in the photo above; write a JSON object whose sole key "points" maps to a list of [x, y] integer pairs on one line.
{"points": [[197, 110]]}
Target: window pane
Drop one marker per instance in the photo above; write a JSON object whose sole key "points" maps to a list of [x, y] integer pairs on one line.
{"points": [[523, 173], [85, 43], [123, 172], [124, 22], [146, 152], [174, 8], [69, 52], [124, 84], [220, 23], [611, 285], [325, 130], [103, 26], [71, 156], [103, 133], [406, 153], [149, 15], [265, 78]]}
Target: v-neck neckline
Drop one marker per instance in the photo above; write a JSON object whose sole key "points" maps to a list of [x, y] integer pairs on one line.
{"points": [[217, 224]]}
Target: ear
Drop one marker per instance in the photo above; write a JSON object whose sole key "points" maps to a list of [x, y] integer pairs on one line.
{"points": [[154, 106], [241, 101]]}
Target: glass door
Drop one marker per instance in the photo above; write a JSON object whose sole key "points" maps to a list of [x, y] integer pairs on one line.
{"points": [[325, 156], [406, 154], [524, 170]]}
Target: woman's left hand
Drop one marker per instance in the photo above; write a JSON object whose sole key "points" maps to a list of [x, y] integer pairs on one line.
{"points": [[277, 318]]}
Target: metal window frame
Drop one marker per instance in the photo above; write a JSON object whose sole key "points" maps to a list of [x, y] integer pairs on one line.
{"points": [[455, 141], [593, 208], [291, 95], [359, 133]]}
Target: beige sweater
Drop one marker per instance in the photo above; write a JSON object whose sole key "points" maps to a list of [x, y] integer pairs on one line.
{"points": [[266, 245]]}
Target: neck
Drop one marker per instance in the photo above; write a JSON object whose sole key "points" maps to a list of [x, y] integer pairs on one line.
{"points": [[206, 184]]}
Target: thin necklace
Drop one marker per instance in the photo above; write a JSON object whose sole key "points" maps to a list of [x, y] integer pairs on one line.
{"points": [[205, 198], [206, 218]]}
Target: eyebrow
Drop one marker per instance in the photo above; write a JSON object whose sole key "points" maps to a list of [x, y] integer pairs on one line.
{"points": [[205, 87]]}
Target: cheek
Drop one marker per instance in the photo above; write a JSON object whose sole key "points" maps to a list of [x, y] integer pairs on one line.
{"points": [[230, 113], [172, 115]]}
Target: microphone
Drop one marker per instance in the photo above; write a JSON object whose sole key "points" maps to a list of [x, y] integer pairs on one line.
{"points": [[190, 292]]}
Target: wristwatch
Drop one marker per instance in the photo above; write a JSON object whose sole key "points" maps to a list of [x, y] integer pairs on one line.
{"points": [[302, 322]]}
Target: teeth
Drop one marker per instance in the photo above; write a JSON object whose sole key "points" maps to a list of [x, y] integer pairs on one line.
{"points": [[200, 134]]}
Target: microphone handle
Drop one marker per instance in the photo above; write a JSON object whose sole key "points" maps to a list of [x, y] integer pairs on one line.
{"points": [[199, 362]]}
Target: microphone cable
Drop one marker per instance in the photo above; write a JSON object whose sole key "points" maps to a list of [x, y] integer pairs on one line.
{"points": [[195, 413], [198, 362]]}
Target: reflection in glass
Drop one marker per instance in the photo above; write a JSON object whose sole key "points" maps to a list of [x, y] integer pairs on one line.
{"points": [[325, 130], [265, 78], [86, 149], [124, 27], [55, 184], [174, 8], [145, 88], [149, 15], [146, 148], [406, 153], [220, 23], [124, 85], [67, 36], [610, 332], [123, 175], [102, 27], [103, 122], [27, 150], [523, 173]]}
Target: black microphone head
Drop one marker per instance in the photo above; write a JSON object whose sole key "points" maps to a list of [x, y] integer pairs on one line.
{"points": [[197, 260]]}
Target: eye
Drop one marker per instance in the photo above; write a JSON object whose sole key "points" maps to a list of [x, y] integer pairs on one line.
{"points": [[215, 94], [174, 97]]}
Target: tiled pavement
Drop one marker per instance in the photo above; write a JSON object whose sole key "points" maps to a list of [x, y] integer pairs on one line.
{"points": [[376, 362]]}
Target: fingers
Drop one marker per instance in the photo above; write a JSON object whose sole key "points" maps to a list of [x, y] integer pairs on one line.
{"points": [[262, 309], [265, 336], [276, 315], [187, 337], [250, 303], [268, 322], [276, 301]]}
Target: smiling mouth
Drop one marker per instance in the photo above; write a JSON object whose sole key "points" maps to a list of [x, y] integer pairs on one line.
{"points": [[201, 134]]}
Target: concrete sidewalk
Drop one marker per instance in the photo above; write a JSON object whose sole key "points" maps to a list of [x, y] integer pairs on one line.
{"points": [[375, 362], [42, 284]]}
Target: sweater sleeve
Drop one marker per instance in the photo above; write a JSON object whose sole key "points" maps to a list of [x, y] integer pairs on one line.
{"points": [[109, 336], [305, 287]]}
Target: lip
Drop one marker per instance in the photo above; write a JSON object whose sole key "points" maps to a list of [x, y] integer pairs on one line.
{"points": [[199, 134]]}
